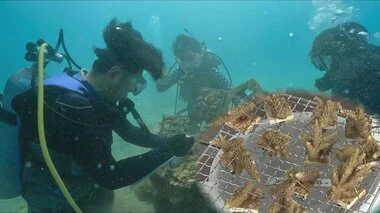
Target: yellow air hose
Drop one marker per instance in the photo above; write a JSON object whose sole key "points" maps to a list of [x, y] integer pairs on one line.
{"points": [[41, 131]]}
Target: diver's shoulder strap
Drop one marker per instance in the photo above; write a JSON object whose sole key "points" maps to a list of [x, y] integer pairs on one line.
{"points": [[64, 81], [67, 82]]}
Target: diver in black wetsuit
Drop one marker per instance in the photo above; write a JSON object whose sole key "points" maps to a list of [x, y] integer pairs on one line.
{"points": [[81, 112], [197, 69], [351, 63]]}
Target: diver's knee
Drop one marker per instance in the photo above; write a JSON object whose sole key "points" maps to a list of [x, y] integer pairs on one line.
{"points": [[103, 196]]}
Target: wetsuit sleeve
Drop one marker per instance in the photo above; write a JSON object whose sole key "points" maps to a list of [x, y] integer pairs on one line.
{"points": [[83, 132], [168, 80], [137, 136]]}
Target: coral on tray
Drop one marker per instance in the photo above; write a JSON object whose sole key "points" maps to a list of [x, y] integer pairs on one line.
{"points": [[369, 146], [212, 103], [242, 118], [326, 113], [345, 190], [346, 179], [285, 204], [243, 123], [318, 147], [235, 157], [358, 124], [245, 197], [277, 108], [300, 182], [276, 143]]}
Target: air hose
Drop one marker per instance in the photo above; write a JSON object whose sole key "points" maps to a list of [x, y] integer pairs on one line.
{"points": [[41, 131]]}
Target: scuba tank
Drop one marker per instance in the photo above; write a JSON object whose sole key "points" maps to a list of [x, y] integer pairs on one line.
{"points": [[10, 160], [18, 82]]}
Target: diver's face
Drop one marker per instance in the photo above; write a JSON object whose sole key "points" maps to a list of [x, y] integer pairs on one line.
{"points": [[189, 61], [120, 82]]}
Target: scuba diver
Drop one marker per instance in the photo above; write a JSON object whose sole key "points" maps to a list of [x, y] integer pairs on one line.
{"points": [[351, 64], [197, 68], [81, 111]]}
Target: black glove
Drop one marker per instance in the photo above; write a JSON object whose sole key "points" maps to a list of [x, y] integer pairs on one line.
{"points": [[180, 145], [323, 84]]}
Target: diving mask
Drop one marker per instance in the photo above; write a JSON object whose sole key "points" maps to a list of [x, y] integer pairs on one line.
{"points": [[138, 83]]}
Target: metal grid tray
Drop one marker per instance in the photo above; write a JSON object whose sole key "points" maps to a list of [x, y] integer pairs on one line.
{"points": [[218, 184]]}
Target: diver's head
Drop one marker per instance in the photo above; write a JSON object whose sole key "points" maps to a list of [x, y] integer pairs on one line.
{"points": [[188, 52], [343, 41], [118, 69]]}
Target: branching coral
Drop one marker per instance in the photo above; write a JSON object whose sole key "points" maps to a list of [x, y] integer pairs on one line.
{"points": [[275, 142], [284, 204], [235, 157], [247, 197], [369, 146], [300, 182], [172, 125], [345, 179], [242, 112], [277, 108], [244, 123], [326, 113], [358, 124], [318, 147], [212, 103], [186, 172]]}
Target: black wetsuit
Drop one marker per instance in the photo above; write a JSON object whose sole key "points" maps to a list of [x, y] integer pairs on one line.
{"points": [[79, 136], [351, 63], [206, 76]]}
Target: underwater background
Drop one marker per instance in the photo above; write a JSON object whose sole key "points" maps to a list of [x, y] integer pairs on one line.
{"points": [[265, 40]]}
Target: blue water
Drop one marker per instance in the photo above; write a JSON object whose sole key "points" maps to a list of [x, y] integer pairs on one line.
{"points": [[255, 34], [252, 37]]}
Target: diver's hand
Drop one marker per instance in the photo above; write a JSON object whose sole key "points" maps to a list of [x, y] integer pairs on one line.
{"points": [[182, 78], [323, 84], [180, 144]]}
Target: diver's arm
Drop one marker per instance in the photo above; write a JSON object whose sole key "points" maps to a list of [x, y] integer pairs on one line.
{"points": [[168, 80], [112, 174], [137, 136], [92, 150]]}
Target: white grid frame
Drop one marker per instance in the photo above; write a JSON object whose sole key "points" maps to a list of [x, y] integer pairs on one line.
{"points": [[224, 187]]}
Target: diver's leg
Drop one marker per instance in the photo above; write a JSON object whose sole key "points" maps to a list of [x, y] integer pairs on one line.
{"points": [[99, 200], [33, 209]]}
